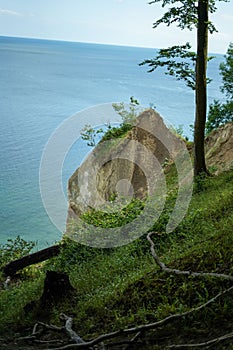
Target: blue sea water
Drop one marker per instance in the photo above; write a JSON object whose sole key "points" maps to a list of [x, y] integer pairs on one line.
{"points": [[44, 82]]}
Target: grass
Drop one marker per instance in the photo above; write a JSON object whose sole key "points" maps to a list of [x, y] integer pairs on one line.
{"points": [[116, 132], [123, 287]]}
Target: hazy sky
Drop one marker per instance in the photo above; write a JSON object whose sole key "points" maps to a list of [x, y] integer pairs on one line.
{"points": [[122, 22]]}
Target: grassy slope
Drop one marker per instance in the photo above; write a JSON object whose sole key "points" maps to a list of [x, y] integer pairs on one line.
{"points": [[123, 287]]}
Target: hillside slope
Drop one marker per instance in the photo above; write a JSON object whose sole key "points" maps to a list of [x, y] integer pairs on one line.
{"points": [[122, 288]]}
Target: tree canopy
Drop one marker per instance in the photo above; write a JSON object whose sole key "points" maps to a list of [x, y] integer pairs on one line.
{"points": [[184, 14], [221, 113]]}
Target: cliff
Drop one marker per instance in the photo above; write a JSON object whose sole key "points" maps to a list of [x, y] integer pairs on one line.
{"points": [[127, 167], [219, 148], [122, 167]]}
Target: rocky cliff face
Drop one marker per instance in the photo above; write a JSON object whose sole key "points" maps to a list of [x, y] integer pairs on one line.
{"points": [[122, 167], [128, 167], [219, 148]]}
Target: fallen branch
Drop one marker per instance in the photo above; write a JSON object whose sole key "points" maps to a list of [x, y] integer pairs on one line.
{"points": [[40, 327], [143, 327], [50, 327], [68, 327], [34, 258], [201, 345], [36, 332], [54, 341], [164, 268]]}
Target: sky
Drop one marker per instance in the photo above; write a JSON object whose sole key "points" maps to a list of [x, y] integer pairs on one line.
{"points": [[117, 22]]}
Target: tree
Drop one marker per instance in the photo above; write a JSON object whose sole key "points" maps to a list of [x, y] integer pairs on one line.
{"points": [[179, 62], [201, 93], [221, 113], [128, 114], [89, 134], [190, 14], [226, 70]]}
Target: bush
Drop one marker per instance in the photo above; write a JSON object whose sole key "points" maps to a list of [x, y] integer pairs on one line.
{"points": [[219, 114], [14, 249]]}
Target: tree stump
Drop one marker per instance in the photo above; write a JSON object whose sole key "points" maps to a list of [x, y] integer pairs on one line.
{"points": [[56, 287]]}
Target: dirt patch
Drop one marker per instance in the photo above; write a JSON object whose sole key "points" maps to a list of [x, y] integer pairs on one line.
{"points": [[219, 149]]}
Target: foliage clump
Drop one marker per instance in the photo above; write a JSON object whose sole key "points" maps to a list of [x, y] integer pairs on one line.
{"points": [[222, 113], [128, 113], [14, 249], [117, 219]]}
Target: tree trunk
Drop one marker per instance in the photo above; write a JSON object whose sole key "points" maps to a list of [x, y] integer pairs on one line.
{"points": [[201, 91], [34, 258]]}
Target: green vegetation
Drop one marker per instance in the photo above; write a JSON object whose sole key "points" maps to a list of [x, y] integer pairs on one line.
{"points": [[15, 249], [221, 113], [116, 132], [119, 218], [122, 287], [128, 115], [89, 134]]}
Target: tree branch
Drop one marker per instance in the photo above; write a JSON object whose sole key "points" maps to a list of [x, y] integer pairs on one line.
{"points": [[164, 268], [68, 327], [143, 327], [201, 345]]}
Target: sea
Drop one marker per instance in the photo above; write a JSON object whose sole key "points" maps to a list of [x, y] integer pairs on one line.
{"points": [[44, 82]]}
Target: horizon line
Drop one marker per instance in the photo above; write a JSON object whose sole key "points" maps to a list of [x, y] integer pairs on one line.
{"points": [[90, 42]]}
